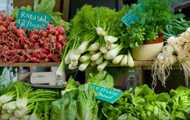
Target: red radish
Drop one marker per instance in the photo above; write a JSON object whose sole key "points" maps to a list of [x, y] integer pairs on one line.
{"points": [[29, 46], [2, 29]]}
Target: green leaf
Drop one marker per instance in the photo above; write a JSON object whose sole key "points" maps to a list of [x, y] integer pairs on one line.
{"points": [[102, 79], [143, 90], [163, 97], [45, 6]]}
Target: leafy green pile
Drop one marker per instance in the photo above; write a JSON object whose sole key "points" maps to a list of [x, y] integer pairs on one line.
{"points": [[176, 27], [145, 104], [101, 78], [77, 103]]}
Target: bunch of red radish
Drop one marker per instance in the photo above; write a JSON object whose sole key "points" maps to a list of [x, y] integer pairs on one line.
{"points": [[19, 45]]}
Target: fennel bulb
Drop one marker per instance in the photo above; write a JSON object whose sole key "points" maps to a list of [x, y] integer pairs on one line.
{"points": [[94, 47], [74, 55], [100, 31], [21, 103], [83, 66], [130, 60], [103, 50], [110, 39], [84, 58], [82, 48], [4, 99], [60, 70], [124, 61], [99, 61], [72, 67], [112, 53], [117, 59], [96, 56], [102, 66]]}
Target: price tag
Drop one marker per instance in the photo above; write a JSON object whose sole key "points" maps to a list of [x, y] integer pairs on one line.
{"points": [[109, 95], [132, 16], [129, 19], [32, 20]]}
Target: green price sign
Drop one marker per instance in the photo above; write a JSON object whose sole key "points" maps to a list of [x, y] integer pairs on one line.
{"points": [[129, 19], [32, 20], [132, 16], [109, 95]]}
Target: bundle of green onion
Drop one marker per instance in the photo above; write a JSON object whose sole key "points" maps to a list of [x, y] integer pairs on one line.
{"points": [[21, 102]]}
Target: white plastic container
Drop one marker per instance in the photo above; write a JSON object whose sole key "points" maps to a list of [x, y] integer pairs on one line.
{"points": [[6, 5]]}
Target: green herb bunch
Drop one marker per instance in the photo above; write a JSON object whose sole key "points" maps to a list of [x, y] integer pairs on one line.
{"points": [[153, 17]]}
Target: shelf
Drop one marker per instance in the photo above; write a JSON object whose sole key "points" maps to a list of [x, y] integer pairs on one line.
{"points": [[28, 64], [48, 87], [141, 63], [137, 64]]}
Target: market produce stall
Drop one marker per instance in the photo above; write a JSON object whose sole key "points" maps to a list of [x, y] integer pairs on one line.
{"points": [[93, 66]]}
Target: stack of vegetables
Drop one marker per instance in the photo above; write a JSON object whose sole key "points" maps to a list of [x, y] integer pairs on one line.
{"points": [[77, 103], [177, 50], [93, 40], [20, 102], [20, 45], [141, 103], [145, 104]]}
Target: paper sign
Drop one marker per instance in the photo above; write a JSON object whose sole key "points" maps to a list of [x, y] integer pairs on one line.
{"points": [[132, 16], [32, 20], [109, 95], [129, 19]]}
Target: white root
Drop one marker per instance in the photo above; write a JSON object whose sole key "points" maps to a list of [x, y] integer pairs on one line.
{"points": [[177, 50]]}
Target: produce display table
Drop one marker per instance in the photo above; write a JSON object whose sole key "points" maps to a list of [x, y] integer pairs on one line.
{"points": [[137, 64], [28, 64]]}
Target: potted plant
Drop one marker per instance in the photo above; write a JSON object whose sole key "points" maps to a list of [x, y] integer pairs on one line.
{"points": [[145, 35]]}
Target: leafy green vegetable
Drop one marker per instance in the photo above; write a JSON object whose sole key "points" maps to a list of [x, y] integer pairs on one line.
{"points": [[87, 105], [101, 78], [180, 102], [65, 108], [85, 22], [75, 104], [34, 102], [153, 18], [47, 6], [176, 27], [144, 104]]}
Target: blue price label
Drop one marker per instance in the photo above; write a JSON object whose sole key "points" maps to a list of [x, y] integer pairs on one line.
{"points": [[32, 20], [129, 19], [109, 95], [132, 16]]}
